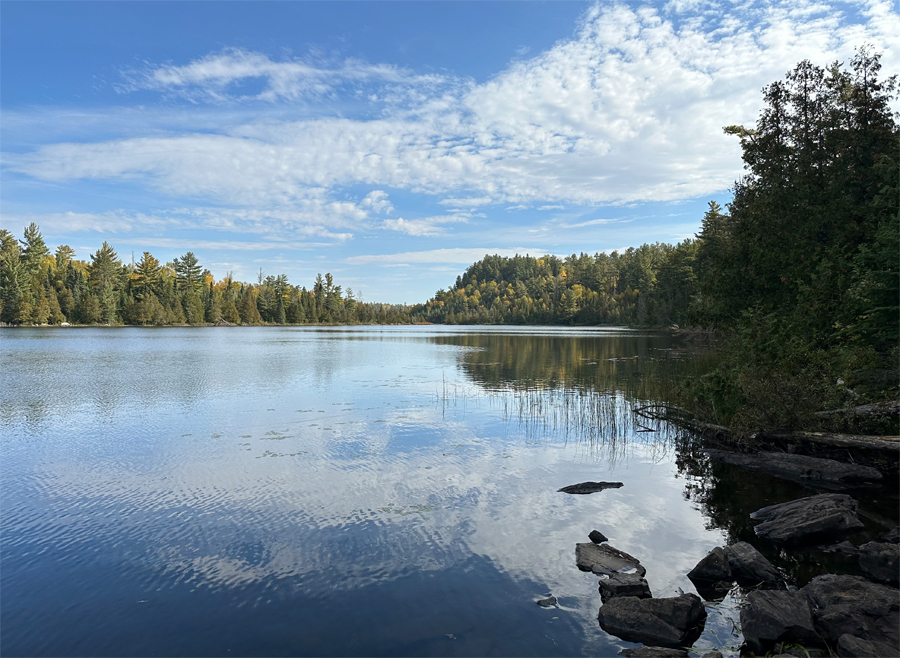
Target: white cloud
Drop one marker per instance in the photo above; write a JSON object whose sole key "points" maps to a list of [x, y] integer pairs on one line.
{"points": [[457, 255], [425, 225], [629, 109]]}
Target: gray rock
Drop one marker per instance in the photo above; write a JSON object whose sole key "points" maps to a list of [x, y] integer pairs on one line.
{"points": [[826, 516], [624, 585], [854, 647], [774, 617], [669, 622], [881, 562], [654, 652], [891, 536], [844, 548], [750, 567], [712, 654], [590, 487], [713, 568], [801, 468], [852, 605], [547, 603], [597, 537], [604, 559]]}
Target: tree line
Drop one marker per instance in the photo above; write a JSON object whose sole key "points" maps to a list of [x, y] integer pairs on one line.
{"points": [[38, 287]]}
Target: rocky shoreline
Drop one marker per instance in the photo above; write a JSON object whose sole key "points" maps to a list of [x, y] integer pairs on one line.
{"points": [[833, 614]]}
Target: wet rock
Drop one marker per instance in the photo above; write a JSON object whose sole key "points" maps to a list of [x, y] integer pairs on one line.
{"points": [[852, 605], [854, 647], [844, 548], [712, 654], [801, 468], [604, 559], [597, 537], [740, 562], [654, 652], [880, 561], [547, 603], [624, 585], [775, 617], [891, 536], [713, 568], [590, 487], [826, 516], [669, 622], [750, 567]]}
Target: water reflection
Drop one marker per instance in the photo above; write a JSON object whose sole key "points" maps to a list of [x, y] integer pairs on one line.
{"points": [[284, 491]]}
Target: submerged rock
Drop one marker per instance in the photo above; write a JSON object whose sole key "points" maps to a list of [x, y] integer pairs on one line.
{"points": [[547, 603], [826, 516], [590, 487], [801, 468], [775, 617], [880, 561], [597, 537], [669, 622], [855, 606], [604, 559], [620, 584]]}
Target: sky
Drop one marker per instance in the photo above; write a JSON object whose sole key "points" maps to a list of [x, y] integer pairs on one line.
{"points": [[391, 143]]}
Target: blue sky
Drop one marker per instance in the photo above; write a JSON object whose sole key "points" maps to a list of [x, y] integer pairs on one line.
{"points": [[391, 144]]}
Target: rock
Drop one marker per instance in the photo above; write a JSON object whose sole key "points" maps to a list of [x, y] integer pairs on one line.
{"points": [[844, 548], [713, 568], [774, 617], [750, 567], [891, 536], [801, 468], [740, 562], [619, 584], [854, 647], [826, 516], [604, 559], [880, 561], [654, 652], [547, 603], [669, 622], [712, 654], [597, 537], [590, 487], [853, 605]]}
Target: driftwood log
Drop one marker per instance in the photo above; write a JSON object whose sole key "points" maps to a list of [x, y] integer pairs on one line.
{"points": [[685, 419]]}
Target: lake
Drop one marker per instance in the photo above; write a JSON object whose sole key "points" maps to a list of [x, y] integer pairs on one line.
{"points": [[344, 490]]}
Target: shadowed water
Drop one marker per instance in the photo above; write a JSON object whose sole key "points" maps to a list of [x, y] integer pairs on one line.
{"points": [[333, 491]]}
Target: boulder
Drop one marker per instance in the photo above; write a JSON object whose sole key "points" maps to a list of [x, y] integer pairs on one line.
{"points": [[892, 536], [740, 562], [712, 654], [620, 584], [852, 605], [597, 537], [801, 468], [750, 567], [604, 559], [880, 561], [590, 487], [547, 603], [775, 617], [713, 568], [669, 622], [654, 652], [854, 647], [826, 516], [842, 548]]}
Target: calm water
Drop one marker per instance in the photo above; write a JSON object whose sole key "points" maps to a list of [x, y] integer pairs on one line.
{"points": [[336, 491]]}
